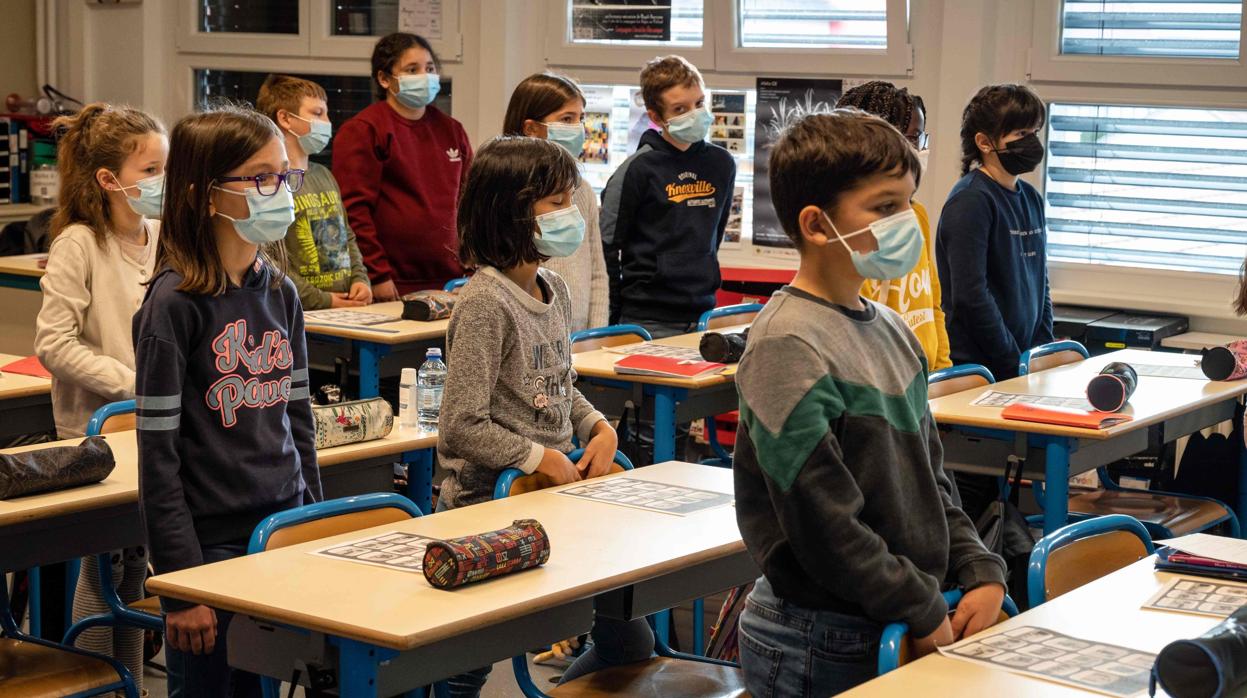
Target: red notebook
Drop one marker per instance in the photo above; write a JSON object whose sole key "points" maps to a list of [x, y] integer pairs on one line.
{"points": [[643, 365], [28, 366], [1064, 416]]}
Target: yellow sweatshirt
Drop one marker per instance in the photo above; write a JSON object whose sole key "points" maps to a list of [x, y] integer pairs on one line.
{"points": [[916, 296]]}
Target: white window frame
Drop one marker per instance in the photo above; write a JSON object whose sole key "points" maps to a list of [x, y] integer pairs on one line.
{"points": [[190, 40], [895, 61], [561, 51], [1047, 64], [324, 42]]}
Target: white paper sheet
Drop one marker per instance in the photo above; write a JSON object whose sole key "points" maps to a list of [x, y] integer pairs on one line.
{"points": [[1216, 547]]}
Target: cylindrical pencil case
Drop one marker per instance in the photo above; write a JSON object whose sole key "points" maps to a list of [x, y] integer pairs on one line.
{"points": [[1111, 390], [426, 306], [1210, 666], [724, 348], [453, 563], [56, 468], [1227, 363], [352, 422]]}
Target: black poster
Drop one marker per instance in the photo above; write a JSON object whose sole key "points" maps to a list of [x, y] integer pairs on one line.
{"points": [[621, 20], [781, 101]]}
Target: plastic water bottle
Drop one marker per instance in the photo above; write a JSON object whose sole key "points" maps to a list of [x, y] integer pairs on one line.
{"points": [[431, 378], [407, 417]]}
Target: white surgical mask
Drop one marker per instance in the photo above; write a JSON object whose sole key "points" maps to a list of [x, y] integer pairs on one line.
{"points": [[899, 239]]}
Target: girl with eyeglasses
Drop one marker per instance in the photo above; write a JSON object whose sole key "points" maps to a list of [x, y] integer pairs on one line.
{"points": [[400, 163], [225, 429]]}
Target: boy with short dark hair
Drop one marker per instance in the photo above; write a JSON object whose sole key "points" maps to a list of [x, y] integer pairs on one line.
{"points": [[325, 263], [841, 495], [665, 209]]}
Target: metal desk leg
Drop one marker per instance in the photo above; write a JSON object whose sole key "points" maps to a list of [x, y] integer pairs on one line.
{"points": [[1242, 490], [699, 630], [34, 601], [357, 667], [368, 358], [664, 424], [1056, 484], [420, 478]]}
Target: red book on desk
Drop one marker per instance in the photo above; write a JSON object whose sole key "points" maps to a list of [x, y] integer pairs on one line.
{"points": [[28, 366], [643, 365], [1064, 416]]}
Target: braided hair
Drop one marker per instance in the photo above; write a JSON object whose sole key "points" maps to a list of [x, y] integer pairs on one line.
{"points": [[896, 105]]}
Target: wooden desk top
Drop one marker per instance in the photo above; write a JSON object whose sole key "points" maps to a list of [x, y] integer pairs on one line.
{"points": [[1154, 401], [122, 485], [1107, 610], [1197, 340], [600, 363], [23, 264], [14, 385], [594, 550], [398, 332]]}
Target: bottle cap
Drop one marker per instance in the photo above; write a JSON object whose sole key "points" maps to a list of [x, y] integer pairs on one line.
{"points": [[408, 376], [433, 352]]}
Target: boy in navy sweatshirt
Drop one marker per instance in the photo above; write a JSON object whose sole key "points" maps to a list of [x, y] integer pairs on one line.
{"points": [[664, 210]]}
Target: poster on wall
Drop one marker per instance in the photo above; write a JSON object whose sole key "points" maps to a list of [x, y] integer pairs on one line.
{"points": [[728, 129], [621, 20], [731, 233], [781, 101], [423, 17], [638, 120], [598, 104]]}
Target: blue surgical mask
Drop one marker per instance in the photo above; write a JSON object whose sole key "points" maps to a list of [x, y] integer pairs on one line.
{"points": [[417, 91], [270, 217], [692, 127], [562, 231], [899, 238], [151, 195], [316, 138], [570, 136]]}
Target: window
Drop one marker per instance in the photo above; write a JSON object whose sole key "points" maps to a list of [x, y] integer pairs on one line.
{"points": [[364, 17], [1185, 29], [813, 23], [592, 21], [248, 16], [1148, 186]]}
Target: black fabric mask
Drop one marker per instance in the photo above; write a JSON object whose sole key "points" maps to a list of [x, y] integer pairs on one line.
{"points": [[1021, 156]]}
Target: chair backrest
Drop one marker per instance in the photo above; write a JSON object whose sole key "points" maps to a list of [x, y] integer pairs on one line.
{"points": [[1082, 552], [113, 417], [609, 336], [329, 518], [896, 647], [454, 285], [1051, 355], [956, 379], [728, 315], [513, 481]]}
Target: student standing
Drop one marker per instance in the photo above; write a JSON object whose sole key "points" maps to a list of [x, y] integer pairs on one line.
{"points": [[992, 239], [914, 293], [666, 207], [841, 495], [111, 162], [511, 399], [325, 264], [400, 164], [552, 106], [225, 431]]}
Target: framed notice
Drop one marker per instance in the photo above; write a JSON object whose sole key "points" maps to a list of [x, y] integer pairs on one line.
{"points": [[621, 20]]}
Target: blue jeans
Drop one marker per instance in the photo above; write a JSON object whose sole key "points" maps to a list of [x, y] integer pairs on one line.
{"points": [[787, 651]]}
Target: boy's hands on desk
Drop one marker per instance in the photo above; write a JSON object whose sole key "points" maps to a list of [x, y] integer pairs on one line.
{"points": [[979, 609], [943, 635], [342, 300], [555, 465], [385, 291], [191, 630], [361, 291], [599, 453]]}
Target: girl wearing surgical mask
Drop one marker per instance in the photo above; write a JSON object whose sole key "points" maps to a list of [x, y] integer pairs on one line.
{"points": [[551, 106], [400, 164], [111, 162], [225, 431], [510, 398], [991, 243]]}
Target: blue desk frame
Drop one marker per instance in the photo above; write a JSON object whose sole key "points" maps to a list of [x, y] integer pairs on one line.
{"points": [[19, 281]]}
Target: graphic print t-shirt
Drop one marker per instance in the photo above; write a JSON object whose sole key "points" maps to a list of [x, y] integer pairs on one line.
{"points": [[320, 243]]}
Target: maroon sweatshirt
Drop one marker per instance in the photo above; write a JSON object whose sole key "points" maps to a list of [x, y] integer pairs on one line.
{"points": [[400, 183]]}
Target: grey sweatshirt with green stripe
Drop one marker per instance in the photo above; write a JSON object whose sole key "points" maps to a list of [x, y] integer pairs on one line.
{"points": [[841, 495]]}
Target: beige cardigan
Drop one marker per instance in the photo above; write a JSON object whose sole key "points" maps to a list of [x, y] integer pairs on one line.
{"points": [[585, 270], [83, 334]]}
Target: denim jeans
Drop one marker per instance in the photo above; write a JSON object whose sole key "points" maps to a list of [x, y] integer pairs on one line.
{"points": [[787, 651]]}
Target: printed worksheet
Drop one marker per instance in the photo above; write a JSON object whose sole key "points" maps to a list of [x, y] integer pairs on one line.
{"points": [[995, 398], [1157, 371], [394, 550], [1198, 596], [652, 496], [335, 316], [651, 349], [1047, 654]]}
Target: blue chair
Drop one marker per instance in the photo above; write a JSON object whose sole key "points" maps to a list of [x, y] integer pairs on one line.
{"points": [[670, 673], [894, 644], [608, 336], [1051, 355], [725, 316], [1084, 551], [47, 668], [956, 379], [454, 285]]}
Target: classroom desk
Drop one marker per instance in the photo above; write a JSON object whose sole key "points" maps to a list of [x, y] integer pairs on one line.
{"points": [[45, 528], [675, 400], [1179, 406], [22, 271], [403, 341], [25, 403], [386, 632], [1107, 610], [1197, 341]]}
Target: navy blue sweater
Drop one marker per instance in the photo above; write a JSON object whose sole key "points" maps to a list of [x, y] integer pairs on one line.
{"points": [[991, 251], [663, 215], [225, 427]]}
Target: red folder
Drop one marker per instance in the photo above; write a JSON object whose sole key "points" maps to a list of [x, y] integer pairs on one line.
{"points": [[1064, 416], [28, 366], [643, 365]]}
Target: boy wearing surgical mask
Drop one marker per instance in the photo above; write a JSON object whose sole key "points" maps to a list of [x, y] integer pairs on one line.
{"points": [[841, 496], [666, 207], [325, 264]]}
